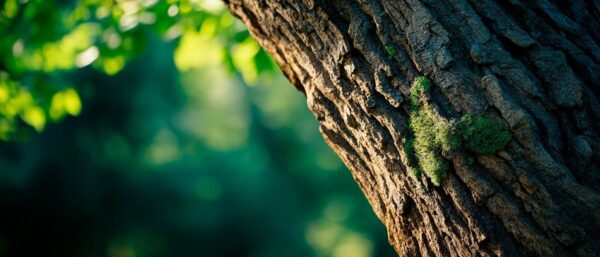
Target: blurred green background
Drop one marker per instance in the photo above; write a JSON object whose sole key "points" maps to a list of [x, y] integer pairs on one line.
{"points": [[160, 128]]}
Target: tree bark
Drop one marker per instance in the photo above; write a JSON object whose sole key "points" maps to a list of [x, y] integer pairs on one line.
{"points": [[535, 64]]}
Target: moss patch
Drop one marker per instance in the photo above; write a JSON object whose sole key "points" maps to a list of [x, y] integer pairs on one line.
{"points": [[433, 135], [391, 52], [483, 135], [420, 86]]}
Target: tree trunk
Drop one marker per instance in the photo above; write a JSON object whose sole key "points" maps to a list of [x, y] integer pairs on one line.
{"points": [[534, 64]]}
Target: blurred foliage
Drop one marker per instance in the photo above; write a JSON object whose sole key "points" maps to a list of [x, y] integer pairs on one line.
{"points": [[187, 142], [45, 42]]}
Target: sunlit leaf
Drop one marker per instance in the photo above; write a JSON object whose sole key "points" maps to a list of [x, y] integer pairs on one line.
{"points": [[65, 102], [4, 93], [35, 117], [57, 110], [10, 8], [198, 49], [112, 65], [243, 58], [213, 6], [72, 102]]}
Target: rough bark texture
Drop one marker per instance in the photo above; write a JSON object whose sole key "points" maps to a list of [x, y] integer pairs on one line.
{"points": [[533, 63]]}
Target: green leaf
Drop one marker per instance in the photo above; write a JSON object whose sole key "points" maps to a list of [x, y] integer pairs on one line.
{"points": [[10, 8], [35, 117]]}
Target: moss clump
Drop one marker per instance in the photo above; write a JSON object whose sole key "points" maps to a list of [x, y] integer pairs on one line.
{"points": [[433, 165], [431, 137], [420, 86], [391, 52], [434, 135], [483, 135], [448, 134]]}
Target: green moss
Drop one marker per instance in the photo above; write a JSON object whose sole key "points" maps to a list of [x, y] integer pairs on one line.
{"points": [[420, 86], [434, 135], [391, 52], [433, 165], [447, 134], [483, 135], [430, 135]]}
